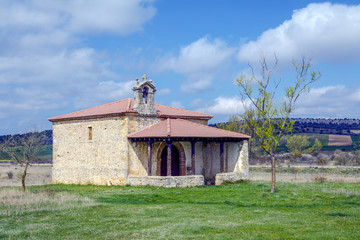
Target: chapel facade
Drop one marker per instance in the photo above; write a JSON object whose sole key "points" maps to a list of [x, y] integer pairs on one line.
{"points": [[138, 142]]}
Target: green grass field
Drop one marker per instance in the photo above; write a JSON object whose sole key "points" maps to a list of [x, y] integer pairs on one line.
{"points": [[236, 211]]}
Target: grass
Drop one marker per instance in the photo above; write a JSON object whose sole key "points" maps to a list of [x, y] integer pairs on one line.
{"points": [[5, 161], [323, 138], [355, 139], [235, 211]]}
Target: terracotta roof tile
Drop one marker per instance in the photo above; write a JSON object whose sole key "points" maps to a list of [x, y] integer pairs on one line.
{"points": [[125, 106], [184, 128]]}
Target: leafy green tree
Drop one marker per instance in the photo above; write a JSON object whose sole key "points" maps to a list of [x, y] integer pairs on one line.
{"points": [[299, 144], [242, 124], [234, 124], [270, 121], [24, 148], [316, 147]]}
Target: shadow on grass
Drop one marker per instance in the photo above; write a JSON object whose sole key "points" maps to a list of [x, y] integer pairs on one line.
{"points": [[337, 214], [156, 199]]}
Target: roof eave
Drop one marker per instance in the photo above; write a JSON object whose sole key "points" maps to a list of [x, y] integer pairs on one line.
{"points": [[186, 117], [58, 119], [186, 139]]}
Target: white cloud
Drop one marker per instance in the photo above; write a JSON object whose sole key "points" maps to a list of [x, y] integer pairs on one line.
{"points": [[176, 104], [336, 101], [355, 96], [104, 92], [77, 16], [331, 101], [223, 106], [196, 84], [163, 91], [115, 16], [198, 61], [324, 31], [45, 66], [29, 15], [200, 56]]}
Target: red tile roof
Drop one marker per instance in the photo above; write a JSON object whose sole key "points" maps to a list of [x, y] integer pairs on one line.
{"points": [[184, 128], [126, 106]]}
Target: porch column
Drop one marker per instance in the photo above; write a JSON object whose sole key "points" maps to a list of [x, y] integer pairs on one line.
{"points": [[221, 157], [193, 157], [169, 158], [149, 157]]}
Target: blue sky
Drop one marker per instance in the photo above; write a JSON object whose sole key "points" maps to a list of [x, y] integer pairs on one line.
{"points": [[57, 57]]}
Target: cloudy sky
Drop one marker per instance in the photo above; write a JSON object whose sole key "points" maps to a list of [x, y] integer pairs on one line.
{"points": [[57, 57]]}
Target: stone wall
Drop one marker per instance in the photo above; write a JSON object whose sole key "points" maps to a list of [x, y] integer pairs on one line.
{"points": [[231, 177], [164, 181], [100, 159], [242, 163], [199, 121], [138, 152], [107, 158]]}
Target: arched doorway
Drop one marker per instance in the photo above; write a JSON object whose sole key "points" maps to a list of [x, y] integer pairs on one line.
{"points": [[175, 161]]}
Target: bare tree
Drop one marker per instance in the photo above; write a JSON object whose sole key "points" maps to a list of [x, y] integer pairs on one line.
{"points": [[269, 120], [23, 149]]}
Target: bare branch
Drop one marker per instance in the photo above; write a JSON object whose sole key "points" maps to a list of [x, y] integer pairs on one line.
{"points": [[270, 122], [22, 149]]}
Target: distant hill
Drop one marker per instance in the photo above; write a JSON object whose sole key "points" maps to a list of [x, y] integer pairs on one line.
{"points": [[327, 126], [48, 134], [343, 126]]}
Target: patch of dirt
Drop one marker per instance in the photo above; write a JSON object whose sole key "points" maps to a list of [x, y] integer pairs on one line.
{"points": [[38, 174], [339, 140], [304, 177]]}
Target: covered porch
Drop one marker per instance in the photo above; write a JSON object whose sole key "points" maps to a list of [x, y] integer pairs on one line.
{"points": [[185, 148]]}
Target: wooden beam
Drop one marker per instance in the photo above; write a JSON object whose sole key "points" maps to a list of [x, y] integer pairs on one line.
{"points": [[193, 157], [221, 157], [149, 157], [169, 158]]}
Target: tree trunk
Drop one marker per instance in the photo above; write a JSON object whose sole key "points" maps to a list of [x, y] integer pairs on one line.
{"points": [[24, 176], [273, 174]]}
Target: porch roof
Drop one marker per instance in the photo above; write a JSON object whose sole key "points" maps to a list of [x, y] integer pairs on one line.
{"points": [[184, 130]]}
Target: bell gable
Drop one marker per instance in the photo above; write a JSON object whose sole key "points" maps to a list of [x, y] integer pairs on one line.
{"points": [[144, 99]]}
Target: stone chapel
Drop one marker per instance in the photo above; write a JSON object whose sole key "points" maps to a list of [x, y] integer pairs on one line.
{"points": [[138, 142]]}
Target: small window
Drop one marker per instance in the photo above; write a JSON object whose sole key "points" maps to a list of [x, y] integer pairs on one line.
{"points": [[90, 133], [145, 94]]}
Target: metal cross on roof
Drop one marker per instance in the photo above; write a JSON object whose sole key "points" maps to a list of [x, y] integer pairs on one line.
{"points": [[144, 77]]}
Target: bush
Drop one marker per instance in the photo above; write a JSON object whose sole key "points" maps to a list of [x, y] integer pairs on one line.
{"points": [[345, 159], [226, 182], [10, 175], [320, 179], [322, 160], [357, 157]]}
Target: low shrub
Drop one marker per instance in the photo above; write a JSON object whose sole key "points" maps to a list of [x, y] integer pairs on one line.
{"points": [[322, 161], [320, 179], [10, 174], [226, 182], [15, 202]]}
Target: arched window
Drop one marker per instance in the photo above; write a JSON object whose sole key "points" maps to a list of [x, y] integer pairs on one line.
{"points": [[145, 94]]}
